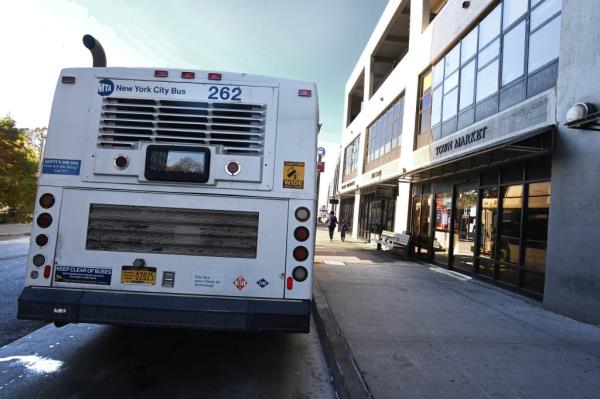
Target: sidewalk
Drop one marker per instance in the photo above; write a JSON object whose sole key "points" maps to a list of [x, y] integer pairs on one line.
{"points": [[418, 331], [14, 230]]}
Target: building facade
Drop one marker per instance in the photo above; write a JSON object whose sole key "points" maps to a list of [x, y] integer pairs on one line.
{"points": [[457, 133]]}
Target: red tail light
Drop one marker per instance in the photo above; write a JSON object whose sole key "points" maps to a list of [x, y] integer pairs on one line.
{"points": [[68, 79], [300, 254], [304, 93], [44, 220], [214, 76], [47, 271], [41, 240], [188, 75], [47, 200], [301, 233], [121, 162], [232, 168], [290, 283], [161, 74]]}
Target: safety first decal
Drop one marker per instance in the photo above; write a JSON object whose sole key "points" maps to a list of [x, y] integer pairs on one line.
{"points": [[293, 175]]}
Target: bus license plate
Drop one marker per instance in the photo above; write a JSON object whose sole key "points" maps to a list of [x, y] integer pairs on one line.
{"points": [[138, 275]]}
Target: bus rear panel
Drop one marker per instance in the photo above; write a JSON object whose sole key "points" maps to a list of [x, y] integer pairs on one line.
{"points": [[170, 201]]}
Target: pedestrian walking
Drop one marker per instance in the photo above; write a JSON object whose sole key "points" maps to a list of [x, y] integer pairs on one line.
{"points": [[332, 222], [343, 230]]}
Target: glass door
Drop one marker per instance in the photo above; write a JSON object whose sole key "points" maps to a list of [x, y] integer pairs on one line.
{"points": [[465, 214], [420, 224], [441, 234], [487, 231]]}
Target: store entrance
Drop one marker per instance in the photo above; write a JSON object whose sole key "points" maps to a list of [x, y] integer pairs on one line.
{"points": [[493, 224], [376, 212]]}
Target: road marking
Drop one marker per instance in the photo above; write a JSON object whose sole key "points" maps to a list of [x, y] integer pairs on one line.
{"points": [[334, 262]]}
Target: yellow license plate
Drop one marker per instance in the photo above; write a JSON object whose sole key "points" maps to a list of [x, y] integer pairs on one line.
{"points": [[138, 275]]}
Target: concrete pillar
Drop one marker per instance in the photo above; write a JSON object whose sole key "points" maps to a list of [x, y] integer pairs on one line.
{"points": [[355, 214]]}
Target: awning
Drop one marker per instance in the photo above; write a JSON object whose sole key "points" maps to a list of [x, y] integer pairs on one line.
{"points": [[535, 143]]}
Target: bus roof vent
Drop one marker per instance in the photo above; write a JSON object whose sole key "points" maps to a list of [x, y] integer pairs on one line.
{"points": [[238, 128]]}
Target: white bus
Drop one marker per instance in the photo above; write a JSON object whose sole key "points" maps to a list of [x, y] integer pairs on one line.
{"points": [[178, 198]]}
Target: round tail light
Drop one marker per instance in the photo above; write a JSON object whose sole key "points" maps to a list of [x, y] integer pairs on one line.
{"points": [[301, 233], [44, 220], [300, 254], [302, 214], [39, 260], [121, 161], [47, 200], [41, 240], [233, 168], [300, 273]]}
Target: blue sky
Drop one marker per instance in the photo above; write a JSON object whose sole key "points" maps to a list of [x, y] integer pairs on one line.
{"points": [[311, 40]]}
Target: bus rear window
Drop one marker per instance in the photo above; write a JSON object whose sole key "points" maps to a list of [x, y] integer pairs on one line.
{"points": [[177, 163]]}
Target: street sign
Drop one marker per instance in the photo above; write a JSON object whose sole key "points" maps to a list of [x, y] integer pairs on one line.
{"points": [[334, 201], [321, 151]]}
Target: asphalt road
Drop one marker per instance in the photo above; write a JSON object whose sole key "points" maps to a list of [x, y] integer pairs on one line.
{"points": [[13, 254], [92, 361]]}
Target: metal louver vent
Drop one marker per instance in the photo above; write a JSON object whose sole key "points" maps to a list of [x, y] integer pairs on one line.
{"points": [[237, 127], [172, 231]]}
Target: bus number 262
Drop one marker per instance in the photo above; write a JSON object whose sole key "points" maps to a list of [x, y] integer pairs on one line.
{"points": [[224, 93]]}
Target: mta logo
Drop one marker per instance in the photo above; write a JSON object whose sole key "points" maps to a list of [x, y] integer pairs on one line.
{"points": [[106, 87], [262, 283]]}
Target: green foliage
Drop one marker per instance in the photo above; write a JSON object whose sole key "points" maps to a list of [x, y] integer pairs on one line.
{"points": [[19, 161]]}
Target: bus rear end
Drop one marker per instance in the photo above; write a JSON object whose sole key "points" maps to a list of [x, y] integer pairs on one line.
{"points": [[175, 198]]}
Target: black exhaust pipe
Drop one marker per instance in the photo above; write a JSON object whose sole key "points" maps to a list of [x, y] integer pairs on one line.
{"points": [[98, 55]]}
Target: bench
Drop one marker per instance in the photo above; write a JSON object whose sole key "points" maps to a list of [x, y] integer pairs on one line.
{"points": [[395, 242]]}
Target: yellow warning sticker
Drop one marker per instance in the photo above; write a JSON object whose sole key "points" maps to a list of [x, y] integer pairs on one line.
{"points": [[293, 175]]}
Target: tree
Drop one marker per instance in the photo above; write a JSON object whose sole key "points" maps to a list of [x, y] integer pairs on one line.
{"points": [[19, 161]]}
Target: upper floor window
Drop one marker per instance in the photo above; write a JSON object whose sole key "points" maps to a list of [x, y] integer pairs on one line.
{"points": [[351, 157], [384, 134], [512, 54], [432, 8], [355, 98], [392, 47]]}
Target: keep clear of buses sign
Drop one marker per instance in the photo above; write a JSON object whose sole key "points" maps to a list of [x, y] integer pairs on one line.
{"points": [[293, 175]]}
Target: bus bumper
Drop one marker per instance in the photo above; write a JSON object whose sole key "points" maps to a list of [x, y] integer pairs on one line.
{"points": [[100, 307]]}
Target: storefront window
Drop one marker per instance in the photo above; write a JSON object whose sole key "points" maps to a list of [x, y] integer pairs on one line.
{"points": [[536, 226], [488, 223], [464, 229], [441, 239], [510, 224], [425, 220], [498, 231], [510, 234]]}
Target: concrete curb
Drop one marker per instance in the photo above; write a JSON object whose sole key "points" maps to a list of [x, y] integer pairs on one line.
{"points": [[7, 236], [347, 379]]}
